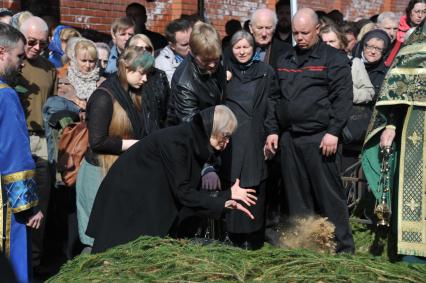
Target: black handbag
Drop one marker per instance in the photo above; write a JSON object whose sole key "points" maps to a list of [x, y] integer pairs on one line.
{"points": [[356, 128]]}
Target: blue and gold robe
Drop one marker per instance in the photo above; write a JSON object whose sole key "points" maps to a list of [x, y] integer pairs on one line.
{"points": [[18, 197]]}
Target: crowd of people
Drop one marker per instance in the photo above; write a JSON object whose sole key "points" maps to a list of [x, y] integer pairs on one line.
{"points": [[190, 135]]}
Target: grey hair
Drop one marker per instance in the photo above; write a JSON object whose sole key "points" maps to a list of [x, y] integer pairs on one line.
{"points": [[263, 10], [387, 15], [10, 36], [242, 34], [103, 45], [34, 22], [307, 13], [224, 121]]}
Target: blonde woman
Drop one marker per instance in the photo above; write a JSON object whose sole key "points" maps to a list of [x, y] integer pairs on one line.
{"points": [[76, 82], [115, 124]]}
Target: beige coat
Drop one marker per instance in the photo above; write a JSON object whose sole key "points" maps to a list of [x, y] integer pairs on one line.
{"points": [[362, 87]]}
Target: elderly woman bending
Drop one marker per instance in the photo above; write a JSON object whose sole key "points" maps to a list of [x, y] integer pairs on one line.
{"points": [[153, 186]]}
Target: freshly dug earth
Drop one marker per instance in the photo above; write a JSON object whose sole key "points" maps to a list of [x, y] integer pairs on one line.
{"points": [[167, 260]]}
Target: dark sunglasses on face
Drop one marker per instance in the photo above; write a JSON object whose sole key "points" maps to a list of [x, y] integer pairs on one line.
{"points": [[147, 48], [33, 42]]}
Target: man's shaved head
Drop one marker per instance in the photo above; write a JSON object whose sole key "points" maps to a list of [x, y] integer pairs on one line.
{"points": [[34, 23], [305, 28], [306, 16]]}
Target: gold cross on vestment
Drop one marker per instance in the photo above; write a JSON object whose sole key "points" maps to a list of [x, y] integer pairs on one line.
{"points": [[413, 205], [414, 138]]}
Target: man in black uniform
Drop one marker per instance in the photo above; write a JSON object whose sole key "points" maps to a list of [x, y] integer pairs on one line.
{"points": [[316, 99]]}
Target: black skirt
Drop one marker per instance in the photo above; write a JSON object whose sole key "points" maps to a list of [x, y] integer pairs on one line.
{"points": [[238, 222]]}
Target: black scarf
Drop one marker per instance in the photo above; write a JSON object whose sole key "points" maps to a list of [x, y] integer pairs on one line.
{"points": [[126, 102], [202, 125]]}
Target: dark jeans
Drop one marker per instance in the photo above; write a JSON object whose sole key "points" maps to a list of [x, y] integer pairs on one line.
{"points": [[313, 185]]}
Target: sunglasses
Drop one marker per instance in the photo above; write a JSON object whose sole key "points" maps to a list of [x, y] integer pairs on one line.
{"points": [[147, 48], [33, 42]]}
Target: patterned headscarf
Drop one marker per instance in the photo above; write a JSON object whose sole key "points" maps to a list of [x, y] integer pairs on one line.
{"points": [[84, 84]]}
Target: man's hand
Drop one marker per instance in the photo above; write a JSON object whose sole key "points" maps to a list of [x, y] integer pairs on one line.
{"points": [[211, 182], [35, 220], [387, 137], [271, 146], [232, 204], [329, 145], [245, 195]]}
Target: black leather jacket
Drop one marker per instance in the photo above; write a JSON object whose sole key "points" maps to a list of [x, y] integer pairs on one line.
{"points": [[193, 91]]}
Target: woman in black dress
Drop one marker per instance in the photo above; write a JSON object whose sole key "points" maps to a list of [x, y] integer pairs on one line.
{"points": [[250, 89], [153, 184]]}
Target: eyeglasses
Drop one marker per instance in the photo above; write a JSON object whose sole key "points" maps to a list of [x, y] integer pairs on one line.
{"points": [[33, 42], [371, 48], [147, 48]]}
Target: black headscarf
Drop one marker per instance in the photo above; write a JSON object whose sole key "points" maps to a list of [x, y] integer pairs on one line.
{"points": [[375, 33], [202, 125], [379, 34]]}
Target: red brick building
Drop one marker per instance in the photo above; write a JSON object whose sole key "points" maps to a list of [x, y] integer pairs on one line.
{"points": [[98, 14]]}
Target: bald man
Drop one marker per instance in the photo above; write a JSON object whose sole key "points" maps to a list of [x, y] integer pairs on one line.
{"points": [[315, 102], [38, 78], [262, 26]]}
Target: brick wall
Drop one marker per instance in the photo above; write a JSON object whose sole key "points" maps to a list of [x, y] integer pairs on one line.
{"points": [[353, 9], [220, 11], [14, 5], [98, 14]]}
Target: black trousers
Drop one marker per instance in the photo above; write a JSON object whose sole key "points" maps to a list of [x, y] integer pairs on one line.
{"points": [[313, 186]]}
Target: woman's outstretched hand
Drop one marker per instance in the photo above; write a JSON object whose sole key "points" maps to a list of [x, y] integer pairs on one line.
{"points": [[245, 195], [232, 204]]}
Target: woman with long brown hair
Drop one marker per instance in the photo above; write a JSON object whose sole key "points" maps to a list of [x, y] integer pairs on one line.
{"points": [[115, 123]]}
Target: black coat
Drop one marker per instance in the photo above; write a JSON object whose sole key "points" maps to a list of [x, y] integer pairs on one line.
{"points": [[274, 51], [155, 96], [193, 91], [278, 48], [248, 94], [151, 183]]}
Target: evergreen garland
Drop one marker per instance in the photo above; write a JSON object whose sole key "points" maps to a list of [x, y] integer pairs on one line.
{"points": [[151, 259]]}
